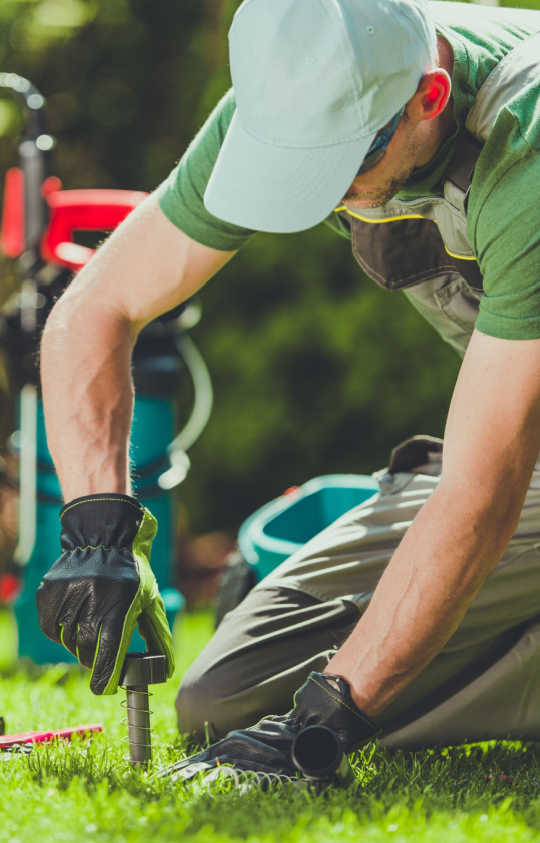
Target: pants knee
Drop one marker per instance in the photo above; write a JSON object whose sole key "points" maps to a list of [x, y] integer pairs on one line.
{"points": [[201, 707], [193, 706]]}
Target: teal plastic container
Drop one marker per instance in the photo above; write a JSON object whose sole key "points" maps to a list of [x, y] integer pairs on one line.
{"points": [[279, 528], [152, 431]]}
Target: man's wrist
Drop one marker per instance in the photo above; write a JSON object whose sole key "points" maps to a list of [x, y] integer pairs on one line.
{"points": [[87, 483], [366, 703]]}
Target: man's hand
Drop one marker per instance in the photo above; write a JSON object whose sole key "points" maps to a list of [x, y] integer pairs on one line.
{"points": [[102, 586], [310, 740]]}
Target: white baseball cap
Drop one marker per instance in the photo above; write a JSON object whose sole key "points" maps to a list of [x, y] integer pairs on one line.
{"points": [[315, 80]]}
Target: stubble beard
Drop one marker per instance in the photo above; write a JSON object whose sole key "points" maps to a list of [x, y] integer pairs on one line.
{"points": [[375, 197], [379, 196]]}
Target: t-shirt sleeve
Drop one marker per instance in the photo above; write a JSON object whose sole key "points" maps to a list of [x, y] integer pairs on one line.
{"points": [[507, 240], [181, 194]]}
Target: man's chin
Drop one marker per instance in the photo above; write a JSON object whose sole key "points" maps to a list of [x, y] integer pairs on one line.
{"points": [[357, 204], [357, 200]]}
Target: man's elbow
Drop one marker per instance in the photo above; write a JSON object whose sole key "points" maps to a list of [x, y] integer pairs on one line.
{"points": [[82, 322]]}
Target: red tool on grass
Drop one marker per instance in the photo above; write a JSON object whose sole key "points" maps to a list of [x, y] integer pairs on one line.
{"points": [[47, 735]]}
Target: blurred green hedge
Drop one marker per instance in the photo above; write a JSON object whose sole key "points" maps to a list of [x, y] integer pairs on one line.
{"points": [[315, 369]]}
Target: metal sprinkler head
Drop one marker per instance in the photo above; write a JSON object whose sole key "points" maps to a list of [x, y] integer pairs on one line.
{"points": [[140, 671]]}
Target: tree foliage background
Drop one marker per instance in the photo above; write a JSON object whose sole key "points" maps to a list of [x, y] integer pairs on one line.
{"points": [[315, 369]]}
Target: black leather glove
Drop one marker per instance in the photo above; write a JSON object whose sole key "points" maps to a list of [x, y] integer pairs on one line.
{"points": [[102, 586], [310, 740]]}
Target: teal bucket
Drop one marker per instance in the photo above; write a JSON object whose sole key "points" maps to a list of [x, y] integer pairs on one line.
{"points": [[279, 528]]}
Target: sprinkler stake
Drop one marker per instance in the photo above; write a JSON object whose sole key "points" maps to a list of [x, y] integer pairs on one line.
{"points": [[141, 670]]}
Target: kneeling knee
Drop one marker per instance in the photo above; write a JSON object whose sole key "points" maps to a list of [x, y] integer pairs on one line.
{"points": [[199, 707], [193, 707]]}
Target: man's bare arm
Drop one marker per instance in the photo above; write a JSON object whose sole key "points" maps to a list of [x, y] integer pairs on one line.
{"points": [[492, 441], [146, 268]]}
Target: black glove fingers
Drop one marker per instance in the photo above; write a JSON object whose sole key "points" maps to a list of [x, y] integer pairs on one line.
{"points": [[48, 603], [68, 636], [98, 604], [80, 640], [59, 607], [203, 757], [87, 638], [108, 644], [78, 606], [240, 750]]}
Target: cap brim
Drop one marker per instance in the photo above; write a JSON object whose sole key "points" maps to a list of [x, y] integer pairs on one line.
{"points": [[270, 188]]}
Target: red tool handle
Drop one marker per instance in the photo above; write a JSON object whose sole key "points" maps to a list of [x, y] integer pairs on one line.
{"points": [[12, 239], [81, 210], [50, 735], [69, 211]]}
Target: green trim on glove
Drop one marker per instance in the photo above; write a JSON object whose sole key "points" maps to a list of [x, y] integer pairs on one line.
{"points": [[147, 608]]}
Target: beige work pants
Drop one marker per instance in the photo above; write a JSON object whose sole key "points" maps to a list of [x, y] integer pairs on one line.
{"points": [[484, 684]]}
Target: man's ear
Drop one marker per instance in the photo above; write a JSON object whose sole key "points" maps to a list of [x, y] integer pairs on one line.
{"points": [[432, 95]]}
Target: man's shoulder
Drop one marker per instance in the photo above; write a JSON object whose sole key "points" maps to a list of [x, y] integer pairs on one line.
{"points": [[484, 20], [480, 37], [213, 132], [181, 196], [509, 161]]}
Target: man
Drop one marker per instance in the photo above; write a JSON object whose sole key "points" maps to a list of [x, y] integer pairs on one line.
{"points": [[415, 130]]}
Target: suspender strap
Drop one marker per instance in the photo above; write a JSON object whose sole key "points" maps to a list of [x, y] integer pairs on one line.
{"points": [[460, 173]]}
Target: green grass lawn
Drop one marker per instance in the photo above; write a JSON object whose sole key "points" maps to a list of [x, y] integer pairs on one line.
{"points": [[87, 791]]}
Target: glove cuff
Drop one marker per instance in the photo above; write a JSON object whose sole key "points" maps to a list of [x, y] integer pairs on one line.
{"points": [[115, 498], [101, 520], [325, 700]]}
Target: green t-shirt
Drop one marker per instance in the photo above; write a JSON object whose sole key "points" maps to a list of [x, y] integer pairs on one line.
{"points": [[504, 212]]}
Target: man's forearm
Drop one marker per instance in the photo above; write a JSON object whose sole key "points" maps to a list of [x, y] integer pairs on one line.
{"points": [[422, 597], [145, 268], [492, 441], [88, 396]]}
